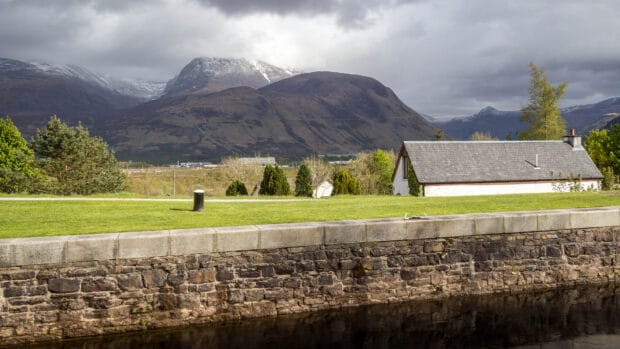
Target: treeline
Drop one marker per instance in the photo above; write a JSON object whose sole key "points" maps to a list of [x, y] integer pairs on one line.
{"points": [[59, 159], [368, 173]]}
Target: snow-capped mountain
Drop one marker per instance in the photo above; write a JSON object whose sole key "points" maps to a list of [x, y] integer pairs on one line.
{"points": [[11, 66], [144, 90], [129, 87], [211, 74]]}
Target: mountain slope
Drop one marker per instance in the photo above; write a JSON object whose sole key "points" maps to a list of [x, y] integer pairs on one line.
{"points": [[211, 74], [499, 124], [30, 95], [319, 112]]}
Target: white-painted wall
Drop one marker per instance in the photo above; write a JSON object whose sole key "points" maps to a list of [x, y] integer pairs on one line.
{"points": [[502, 188], [400, 186]]}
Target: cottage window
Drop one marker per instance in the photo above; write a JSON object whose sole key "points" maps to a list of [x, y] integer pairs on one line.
{"points": [[405, 162]]}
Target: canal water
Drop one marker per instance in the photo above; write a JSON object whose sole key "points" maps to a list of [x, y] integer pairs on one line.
{"points": [[587, 317]]}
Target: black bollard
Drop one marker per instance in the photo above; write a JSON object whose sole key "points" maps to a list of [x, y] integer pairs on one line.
{"points": [[199, 200]]}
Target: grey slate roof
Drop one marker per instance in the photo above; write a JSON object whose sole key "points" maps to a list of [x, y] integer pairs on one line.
{"points": [[498, 161]]}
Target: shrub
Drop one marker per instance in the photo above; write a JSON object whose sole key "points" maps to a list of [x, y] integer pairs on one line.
{"points": [[344, 183], [236, 188], [415, 189], [303, 181], [610, 179]]}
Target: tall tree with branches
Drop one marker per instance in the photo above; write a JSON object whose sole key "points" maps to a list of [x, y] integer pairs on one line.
{"points": [[542, 113]]}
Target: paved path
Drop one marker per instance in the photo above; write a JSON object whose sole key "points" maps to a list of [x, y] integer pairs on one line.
{"points": [[207, 200]]}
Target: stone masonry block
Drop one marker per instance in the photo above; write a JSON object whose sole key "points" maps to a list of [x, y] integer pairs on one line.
{"points": [[236, 238], [154, 278], [290, 235], [83, 248], [192, 241], [62, 285], [129, 282], [553, 220], [422, 228], [519, 222], [98, 285], [593, 218], [143, 244], [386, 230], [32, 251], [201, 276], [489, 224], [452, 226], [345, 232]]}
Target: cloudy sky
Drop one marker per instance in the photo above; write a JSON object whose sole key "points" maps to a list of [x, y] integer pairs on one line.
{"points": [[442, 57]]}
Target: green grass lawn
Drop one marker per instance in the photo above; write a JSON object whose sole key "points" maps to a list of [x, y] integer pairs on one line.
{"points": [[68, 217]]}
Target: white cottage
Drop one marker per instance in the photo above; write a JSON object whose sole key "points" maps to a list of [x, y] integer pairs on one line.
{"points": [[455, 168]]}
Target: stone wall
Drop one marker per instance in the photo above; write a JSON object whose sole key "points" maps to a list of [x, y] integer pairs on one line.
{"points": [[55, 288]]}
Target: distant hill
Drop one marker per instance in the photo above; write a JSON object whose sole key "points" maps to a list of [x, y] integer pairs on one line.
{"points": [[31, 93], [615, 120], [489, 120], [319, 112], [499, 124], [212, 74]]}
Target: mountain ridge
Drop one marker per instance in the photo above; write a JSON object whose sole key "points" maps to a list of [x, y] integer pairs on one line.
{"points": [[500, 123], [310, 113]]}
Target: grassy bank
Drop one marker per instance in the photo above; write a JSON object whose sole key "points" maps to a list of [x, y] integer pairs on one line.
{"points": [[68, 217]]}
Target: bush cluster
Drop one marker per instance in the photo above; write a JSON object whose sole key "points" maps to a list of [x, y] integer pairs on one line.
{"points": [[236, 188], [344, 183]]}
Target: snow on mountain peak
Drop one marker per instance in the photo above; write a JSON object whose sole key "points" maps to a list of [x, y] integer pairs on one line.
{"points": [[125, 86], [217, 73], [488, 110]]}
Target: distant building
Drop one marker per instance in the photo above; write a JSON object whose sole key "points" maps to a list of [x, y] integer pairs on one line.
{"points": [[263, 161], [196, 164], [446, 168]]}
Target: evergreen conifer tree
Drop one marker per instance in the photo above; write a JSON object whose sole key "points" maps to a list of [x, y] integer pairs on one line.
{"points": [[274, 182], [303, 181], [79, 163]]}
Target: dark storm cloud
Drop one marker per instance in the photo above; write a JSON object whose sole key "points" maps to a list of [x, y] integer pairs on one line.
{"points": [[349, 13], [69, 5], [241, 7]]}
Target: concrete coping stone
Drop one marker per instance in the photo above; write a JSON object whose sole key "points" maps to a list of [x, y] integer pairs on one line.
{"points": [[96, 247]]}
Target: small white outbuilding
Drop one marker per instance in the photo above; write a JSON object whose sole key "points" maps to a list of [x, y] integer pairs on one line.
{"points": [[457, 168], [324, 189]]}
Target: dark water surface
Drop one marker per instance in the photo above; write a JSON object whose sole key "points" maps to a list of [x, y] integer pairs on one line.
{"points": [[570, 318]]}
